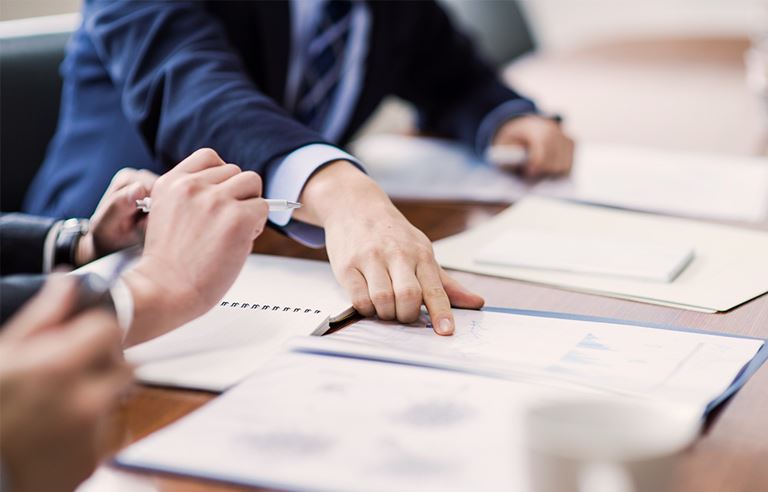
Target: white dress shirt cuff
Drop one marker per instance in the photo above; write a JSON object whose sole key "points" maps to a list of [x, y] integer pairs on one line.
{"points": [[287, 179]]}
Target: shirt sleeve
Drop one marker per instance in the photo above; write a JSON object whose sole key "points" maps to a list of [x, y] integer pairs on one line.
{"points": [[286, 181], [26, 242], [497, 117]]}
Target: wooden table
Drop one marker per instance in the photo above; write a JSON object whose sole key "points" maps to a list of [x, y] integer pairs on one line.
{"points": [[732, 453]]}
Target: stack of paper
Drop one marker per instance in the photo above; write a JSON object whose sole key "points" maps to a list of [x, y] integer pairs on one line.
{"points": [[314, 422], [729, 264], [700, 185]]}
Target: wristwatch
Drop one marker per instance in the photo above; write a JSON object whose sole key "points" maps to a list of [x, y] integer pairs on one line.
{"points": [[67, 239]]}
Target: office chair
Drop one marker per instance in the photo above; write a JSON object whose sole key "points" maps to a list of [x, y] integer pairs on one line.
{"points": [[499, 27], [30, 87]]}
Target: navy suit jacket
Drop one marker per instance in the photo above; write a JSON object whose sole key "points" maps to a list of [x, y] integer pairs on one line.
{"points": [[147, 83]]}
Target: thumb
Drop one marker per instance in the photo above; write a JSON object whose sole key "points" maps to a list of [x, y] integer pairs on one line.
{"points": [[460, 296]]}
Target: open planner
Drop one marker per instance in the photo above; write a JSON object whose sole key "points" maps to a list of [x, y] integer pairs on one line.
{"points": [[382, 406], [263, 308]]}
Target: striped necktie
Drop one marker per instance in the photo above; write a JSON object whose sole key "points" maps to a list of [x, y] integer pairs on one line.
{"points": [[323, 63]]}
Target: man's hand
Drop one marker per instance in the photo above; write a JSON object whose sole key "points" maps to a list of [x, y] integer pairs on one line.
{"points": [[385, 264], [205, 216], [550, 151], [60, 376], [116, 224]]}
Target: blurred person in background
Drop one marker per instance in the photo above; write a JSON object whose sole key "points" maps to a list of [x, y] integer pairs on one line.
{"points": [[61, 375]]}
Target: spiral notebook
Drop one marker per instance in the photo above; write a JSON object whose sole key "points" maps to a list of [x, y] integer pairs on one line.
{"points": [[273, 300]]}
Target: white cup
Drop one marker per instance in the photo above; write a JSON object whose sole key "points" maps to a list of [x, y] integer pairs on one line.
{"points": [[611, 445]]}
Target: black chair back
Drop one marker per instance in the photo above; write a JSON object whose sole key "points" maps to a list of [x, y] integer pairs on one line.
{"points": [[30, 91], [499, 27]]}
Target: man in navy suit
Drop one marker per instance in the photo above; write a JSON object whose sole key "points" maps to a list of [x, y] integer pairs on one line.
{"points": [[275, 87]]}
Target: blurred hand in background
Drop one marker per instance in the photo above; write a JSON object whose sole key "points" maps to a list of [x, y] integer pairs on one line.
{"points": [[60, 377]]}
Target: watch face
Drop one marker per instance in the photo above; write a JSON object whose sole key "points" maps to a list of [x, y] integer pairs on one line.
{"points": [[79, 226]]}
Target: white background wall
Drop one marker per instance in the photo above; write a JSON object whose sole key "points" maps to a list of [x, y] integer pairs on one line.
{"points": [[18, 9], [564, 24], [568, 23]]}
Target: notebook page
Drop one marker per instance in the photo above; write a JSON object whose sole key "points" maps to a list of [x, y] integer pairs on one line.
{"points": [[273, 299], [292, 282], [269, 279]]}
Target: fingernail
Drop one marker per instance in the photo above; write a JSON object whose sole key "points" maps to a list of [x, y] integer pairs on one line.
{"points": [[445, 327]]}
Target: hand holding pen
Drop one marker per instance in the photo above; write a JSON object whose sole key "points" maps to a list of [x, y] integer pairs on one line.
{"points": [[205, 215]]}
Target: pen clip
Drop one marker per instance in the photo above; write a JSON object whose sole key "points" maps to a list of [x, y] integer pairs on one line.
{"points": [[144, 204]]}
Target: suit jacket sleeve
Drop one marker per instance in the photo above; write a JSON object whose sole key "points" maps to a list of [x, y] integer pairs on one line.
{"points": [[22, 240], [16, 291], [184, 86], [452, 87]]}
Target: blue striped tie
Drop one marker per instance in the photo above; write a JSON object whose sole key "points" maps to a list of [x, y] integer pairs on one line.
{"points": [[324, 60]]}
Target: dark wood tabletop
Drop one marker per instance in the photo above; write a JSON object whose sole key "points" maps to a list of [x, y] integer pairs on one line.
{"points": [[730, 455]]}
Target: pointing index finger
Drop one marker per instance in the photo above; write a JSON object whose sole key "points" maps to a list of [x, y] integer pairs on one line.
{"points": [[435, 298]]}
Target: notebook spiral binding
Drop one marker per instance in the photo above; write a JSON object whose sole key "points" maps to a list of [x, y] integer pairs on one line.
{"points": [[268, 307]]}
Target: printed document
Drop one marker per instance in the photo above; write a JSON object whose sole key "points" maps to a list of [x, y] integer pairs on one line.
{"points": [[686, 367], [729, 264], [309, 421], [325, 423]]}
